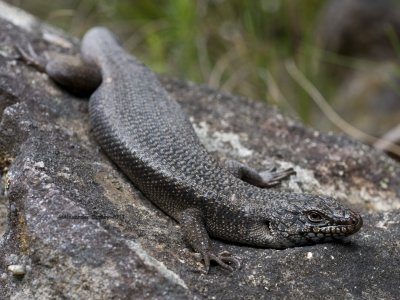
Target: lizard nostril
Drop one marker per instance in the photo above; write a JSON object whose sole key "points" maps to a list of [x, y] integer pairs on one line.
{"points": [[353, 218], [356, 221]]}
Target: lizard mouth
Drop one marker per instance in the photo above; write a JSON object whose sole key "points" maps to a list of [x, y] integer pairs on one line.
{"points": [[341, 228]]}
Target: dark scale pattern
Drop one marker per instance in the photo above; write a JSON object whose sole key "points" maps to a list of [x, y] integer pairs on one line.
{"points": [[148, 136]]}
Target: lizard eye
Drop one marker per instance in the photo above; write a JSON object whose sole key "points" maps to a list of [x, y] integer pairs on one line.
{"points": [[314, 216]]}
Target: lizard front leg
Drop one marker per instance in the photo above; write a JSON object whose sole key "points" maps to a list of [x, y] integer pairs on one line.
{"points": [[264, 179], [194, 231]]}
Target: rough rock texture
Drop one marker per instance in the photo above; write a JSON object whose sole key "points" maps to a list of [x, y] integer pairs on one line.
{"points": [[77, 228]]}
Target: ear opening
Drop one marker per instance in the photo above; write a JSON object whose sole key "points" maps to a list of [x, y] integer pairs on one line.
{"points": [[267, 223]]}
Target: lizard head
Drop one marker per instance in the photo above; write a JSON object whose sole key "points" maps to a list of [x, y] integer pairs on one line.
{"points": [[300, 219]]}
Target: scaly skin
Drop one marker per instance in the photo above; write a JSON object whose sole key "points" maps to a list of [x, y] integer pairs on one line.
{"points": [[148, 136]]}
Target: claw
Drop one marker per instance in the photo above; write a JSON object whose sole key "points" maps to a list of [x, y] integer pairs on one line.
{"points": [[221, 262], [228, 257], [224, 259], [271, 177], [206, 259]]}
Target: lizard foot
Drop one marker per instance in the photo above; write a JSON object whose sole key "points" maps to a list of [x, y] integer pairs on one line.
{"points": [[225, 259], [265, 179], [195, 233], [272, 177]]}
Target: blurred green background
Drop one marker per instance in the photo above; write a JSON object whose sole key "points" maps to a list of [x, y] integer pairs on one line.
{"points": [[238, 46]]}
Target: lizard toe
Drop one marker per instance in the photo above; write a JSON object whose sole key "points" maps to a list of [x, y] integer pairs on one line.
{"points": [[225, 260], [271, 178], [227, 257], [206, 259]]}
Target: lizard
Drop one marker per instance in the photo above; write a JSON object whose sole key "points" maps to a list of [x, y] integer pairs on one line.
{"points": [[146, 133]]}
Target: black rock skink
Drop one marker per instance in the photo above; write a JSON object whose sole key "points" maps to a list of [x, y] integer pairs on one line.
{"points": [[145, 132]]}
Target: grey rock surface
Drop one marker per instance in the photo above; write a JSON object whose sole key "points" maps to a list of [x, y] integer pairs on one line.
{"points": [[76, 227]]}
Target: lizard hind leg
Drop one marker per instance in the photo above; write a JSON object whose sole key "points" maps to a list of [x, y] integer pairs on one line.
{"points": [[264, 179], [194, 231], [66, 70]]}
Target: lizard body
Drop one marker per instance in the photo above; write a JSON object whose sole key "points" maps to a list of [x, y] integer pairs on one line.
{"points": [[145, 132]]}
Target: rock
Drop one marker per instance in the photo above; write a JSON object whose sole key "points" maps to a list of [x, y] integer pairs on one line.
{"points": [[17, 270], [80, 229]]}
